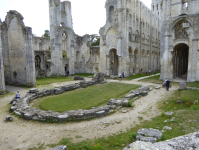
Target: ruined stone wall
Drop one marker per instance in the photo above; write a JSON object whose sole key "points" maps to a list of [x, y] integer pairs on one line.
{"points": [[41, 43], [130, 39], [2, 80], [180, 40], [17, 51], [68, 50], [42, 63]]}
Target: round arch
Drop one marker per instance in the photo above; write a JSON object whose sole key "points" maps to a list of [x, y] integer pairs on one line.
{"points": [[180, 60]]}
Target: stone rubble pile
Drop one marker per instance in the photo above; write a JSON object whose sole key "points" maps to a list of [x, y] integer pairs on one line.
{"points": [[78, 78], [99, 78], [60, 147], [186, 142], [142, 91], [148, 135], [21, 108]]}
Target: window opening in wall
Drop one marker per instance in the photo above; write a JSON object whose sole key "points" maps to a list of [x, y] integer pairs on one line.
{"points": [[37, 62], [111, 13], [153, 7], [15, 74], [157, 6], [185, 5]]}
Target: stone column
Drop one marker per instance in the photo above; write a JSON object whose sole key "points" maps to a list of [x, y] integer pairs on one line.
{"points": [[72, 59], [2, 80], [30, 61]]}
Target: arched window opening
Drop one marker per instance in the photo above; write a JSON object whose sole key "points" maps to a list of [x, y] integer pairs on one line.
{"points": [[111, 13], [37, 62]]}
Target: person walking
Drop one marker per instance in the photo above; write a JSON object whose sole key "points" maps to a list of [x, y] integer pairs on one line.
{"points": [[17, 95], [146, 72], [167, 82], [149, 72], [120, 76], [155, 72]]}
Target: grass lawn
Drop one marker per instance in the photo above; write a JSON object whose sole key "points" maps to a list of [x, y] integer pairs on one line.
{"points": [[187, 121], [84, 74], [49, 80], [136, 76], [92, 96], [193, 84], [154, 79]]}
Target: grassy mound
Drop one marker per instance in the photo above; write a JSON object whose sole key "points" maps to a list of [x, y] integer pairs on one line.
{"points": [[92, 96]]}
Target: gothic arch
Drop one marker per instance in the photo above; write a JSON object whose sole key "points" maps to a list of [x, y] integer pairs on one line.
{"points": [[175, 22]]}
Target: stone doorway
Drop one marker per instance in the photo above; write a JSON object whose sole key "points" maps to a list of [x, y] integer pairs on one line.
{"points": [[180, 60], [114, 61]]}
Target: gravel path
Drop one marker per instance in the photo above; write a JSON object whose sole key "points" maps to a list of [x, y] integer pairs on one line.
{"points": [[22, 134]]}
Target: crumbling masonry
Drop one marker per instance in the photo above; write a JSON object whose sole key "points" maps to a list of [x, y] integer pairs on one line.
{"points": [[134, 39]]}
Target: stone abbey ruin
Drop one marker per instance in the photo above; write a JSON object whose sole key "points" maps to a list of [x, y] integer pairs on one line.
{"points": [[134, 39]]}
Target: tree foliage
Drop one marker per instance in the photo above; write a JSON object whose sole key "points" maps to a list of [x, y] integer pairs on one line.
{"points": [[95, 39], [46, 34]]}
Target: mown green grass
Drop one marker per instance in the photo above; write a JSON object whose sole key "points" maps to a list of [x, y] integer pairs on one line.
{"points": [[154, 79], [187, 121], [84, 74], [92, 96], [137, 76], [49, 80], [193, 84]]}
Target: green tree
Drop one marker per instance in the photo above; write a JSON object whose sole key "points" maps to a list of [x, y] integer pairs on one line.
{"points": [[95, 39], [46, 34]]}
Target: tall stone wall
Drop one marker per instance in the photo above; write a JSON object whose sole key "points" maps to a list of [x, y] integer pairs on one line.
{"points": [[64, 41], [2, 80], [180, 40], [18, 54], [130, 40]]}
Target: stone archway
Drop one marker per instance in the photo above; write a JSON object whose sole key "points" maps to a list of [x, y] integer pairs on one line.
{"points": [[114, 61], [180, 60]]}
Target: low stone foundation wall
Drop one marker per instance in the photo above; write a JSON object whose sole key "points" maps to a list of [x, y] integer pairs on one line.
{"points": [[21, 108]]}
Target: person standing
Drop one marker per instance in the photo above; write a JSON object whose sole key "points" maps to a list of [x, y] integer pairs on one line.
{"points": [[17, 95], [146, 72], [106, 75], [123, 74], [149, 72], [155, 72]]}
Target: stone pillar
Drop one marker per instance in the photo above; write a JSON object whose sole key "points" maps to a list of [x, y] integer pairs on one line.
{"points": [[2, 80], [55, 38], [72, 59], [30, 61]]}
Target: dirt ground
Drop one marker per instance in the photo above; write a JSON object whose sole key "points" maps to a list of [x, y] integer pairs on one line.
{"points": [[22, 134]]}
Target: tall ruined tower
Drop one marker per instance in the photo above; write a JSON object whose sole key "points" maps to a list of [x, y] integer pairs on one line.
{"points": [[2, 81], [157, 7], [60, 24]]}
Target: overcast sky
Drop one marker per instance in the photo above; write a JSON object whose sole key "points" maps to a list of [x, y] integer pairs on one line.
{"points": [[88, 15]]}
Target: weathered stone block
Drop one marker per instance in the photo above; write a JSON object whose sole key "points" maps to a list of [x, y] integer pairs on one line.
{"points": [[182, 85], [100, 114]]}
